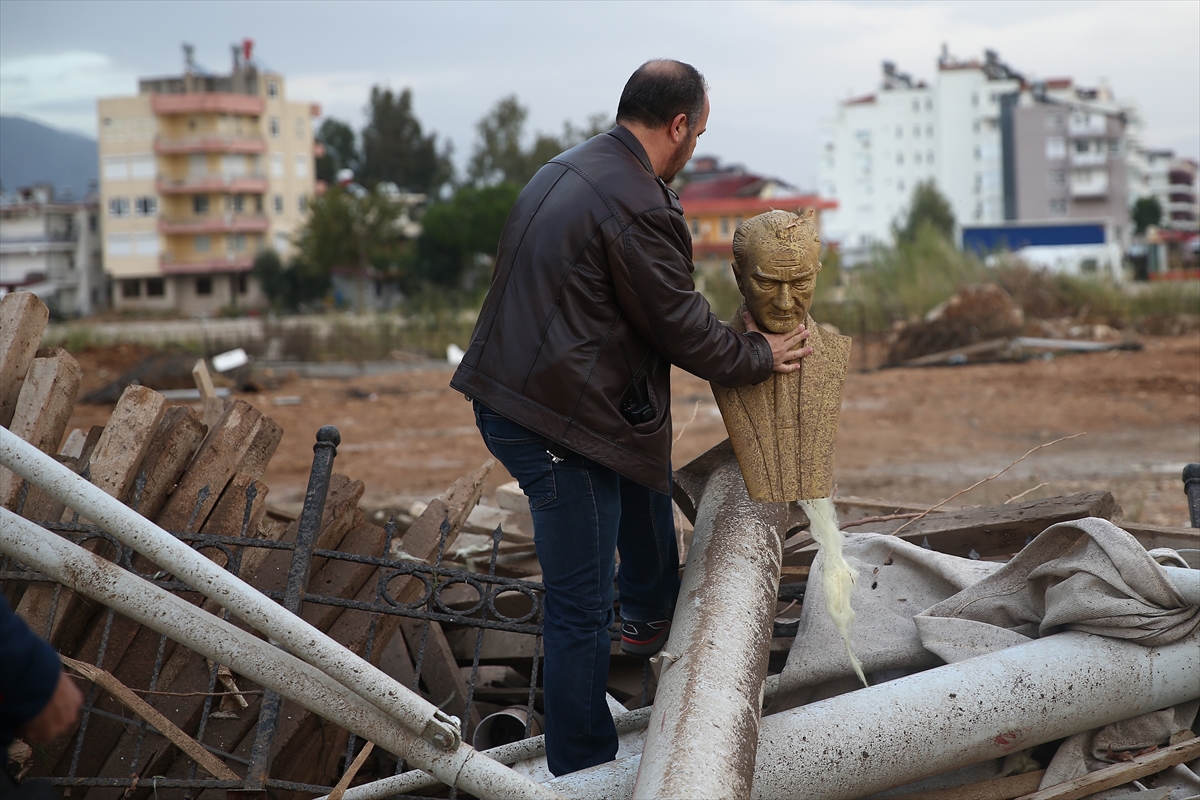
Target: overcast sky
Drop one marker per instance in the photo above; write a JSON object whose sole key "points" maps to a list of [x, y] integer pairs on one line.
{"points": [[777, 69]]}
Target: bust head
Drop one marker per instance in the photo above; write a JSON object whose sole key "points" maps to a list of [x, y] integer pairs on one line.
{"points": [[776, 261]]}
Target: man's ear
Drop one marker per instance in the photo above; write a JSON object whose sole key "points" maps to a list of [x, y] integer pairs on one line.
{"points": [[678, 128]]}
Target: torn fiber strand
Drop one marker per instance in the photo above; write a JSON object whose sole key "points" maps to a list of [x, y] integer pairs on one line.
{"points": [[837, 578]]}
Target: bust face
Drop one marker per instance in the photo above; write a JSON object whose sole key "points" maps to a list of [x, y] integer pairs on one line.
{"points": [[779, 291]]}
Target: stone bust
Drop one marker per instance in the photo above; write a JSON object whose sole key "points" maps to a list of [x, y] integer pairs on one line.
{"points": [[784, 430]]}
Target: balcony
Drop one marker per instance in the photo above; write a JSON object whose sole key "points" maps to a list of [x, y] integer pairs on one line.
{"points": [[232, 262], [214, 184], [207, 103], [224, 223], [213, 143], [1091, 158], [1093, 183]]}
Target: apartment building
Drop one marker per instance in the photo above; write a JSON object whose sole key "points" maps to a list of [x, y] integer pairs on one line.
{"points": [[199, 173], [1065, 156], [879, 146], [52, 249]]}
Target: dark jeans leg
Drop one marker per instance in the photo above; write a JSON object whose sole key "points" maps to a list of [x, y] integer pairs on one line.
{"points": [[576, 508], [649, 573]]}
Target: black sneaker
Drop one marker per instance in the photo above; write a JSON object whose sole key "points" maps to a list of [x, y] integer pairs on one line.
{"points": [[644, 639]]}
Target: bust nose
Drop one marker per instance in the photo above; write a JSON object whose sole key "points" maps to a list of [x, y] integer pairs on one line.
{"points": [[783, 297]]}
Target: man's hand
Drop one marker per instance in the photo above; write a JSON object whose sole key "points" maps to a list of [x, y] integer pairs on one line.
{"points": [[786, 348], [59, 715]]}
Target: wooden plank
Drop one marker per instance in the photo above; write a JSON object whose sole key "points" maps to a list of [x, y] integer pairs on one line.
{"points": [[1154, 536], [978, 348], [23, 319], [243, 440], [996, 789], [111, 467], [40, 505], [1118, 774], [175, 441], [989, 530], [123, 445], [212, 406], [240, 509], [41, 411]]}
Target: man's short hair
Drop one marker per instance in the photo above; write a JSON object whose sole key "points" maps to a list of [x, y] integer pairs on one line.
{"points": [[659, 90]]}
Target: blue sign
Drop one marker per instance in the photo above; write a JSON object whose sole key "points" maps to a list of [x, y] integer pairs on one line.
{"points": [[1013, 237]]}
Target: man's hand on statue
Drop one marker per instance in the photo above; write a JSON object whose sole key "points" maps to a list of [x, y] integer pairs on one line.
{"points": [[786, 348], [59, 714]]}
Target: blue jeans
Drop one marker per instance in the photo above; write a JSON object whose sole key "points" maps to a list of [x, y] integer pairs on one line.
{"points": [[582, 514]]}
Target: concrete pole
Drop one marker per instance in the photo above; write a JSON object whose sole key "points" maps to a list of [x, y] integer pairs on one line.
{"points": [[214, 638], [703, 732], [949, 717]]}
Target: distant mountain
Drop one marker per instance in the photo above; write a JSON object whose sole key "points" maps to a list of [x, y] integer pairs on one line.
{"points": [[31, 152]]}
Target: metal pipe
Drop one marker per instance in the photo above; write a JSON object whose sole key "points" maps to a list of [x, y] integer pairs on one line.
{"points": [[703, 731], [407, 708], [275, 669], [949, 717]]}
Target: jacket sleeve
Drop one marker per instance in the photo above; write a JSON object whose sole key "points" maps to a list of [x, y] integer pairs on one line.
{"points": [[29, 670], [652, 274]]}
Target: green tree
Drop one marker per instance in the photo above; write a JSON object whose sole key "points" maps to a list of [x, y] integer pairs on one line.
{"points": [[499, 156], [928, 207], [356, 233], [1147, 211], [396, 149], [290, 286], [341, 150], [462, 228]]}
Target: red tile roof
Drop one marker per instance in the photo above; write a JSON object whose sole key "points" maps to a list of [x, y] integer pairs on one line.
{"points": [[748, 206]]}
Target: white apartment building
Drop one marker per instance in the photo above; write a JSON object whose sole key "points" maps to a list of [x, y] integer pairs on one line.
{"points": [[199, 173], [52, 249], [881, 145]]}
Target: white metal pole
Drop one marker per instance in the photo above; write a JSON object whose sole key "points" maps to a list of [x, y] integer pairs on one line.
{"points": [[409, 709], [703, 731], [214, 638]]}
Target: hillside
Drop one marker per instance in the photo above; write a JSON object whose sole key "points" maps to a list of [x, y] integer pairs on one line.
{"points": [[31, 152]]}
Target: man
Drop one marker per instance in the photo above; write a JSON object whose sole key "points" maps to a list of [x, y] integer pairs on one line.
{"points": [[37, 699], [591, 302]]}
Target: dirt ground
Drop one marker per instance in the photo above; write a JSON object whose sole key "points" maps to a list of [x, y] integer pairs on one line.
{"points": [[915, 435]]}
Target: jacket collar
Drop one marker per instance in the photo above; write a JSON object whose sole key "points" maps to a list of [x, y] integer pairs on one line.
{"points": [[626, 137]]}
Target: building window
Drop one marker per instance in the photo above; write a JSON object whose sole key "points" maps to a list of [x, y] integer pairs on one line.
{"points": [[929, 157], [131, 288], [202, 243], [203, 285], [237, 203], [301, 166], [93, 223], [1056, 148], [274, 126], [240, 283], [724, 226], [200, 204], [299, 127], [900, 185], [120, 244], [1054, 122], [156, 287], [145, 206], [258, 204], [237, 242], [916, 131], [272, 89], [978, 152], [900, 159], [302, 203], [142, 166], [916, 158], [276, 165], [281, 241], [118, 207], [695, 226], [975, 99], [899, 132], [145, 244], [116, 168], [929, 131], [1058, 207], [278, 203], [928, 104], [1114, 145]]}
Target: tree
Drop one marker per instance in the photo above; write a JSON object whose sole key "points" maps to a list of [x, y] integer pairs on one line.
{"points": [[396, 149], [351, 231], [458, 230], [1147, 211], [292, 286], [499, 156], [341, 150], [927, 208]]}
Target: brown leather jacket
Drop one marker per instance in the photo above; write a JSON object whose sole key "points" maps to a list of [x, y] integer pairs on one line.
{"points": [[594, 272]]}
